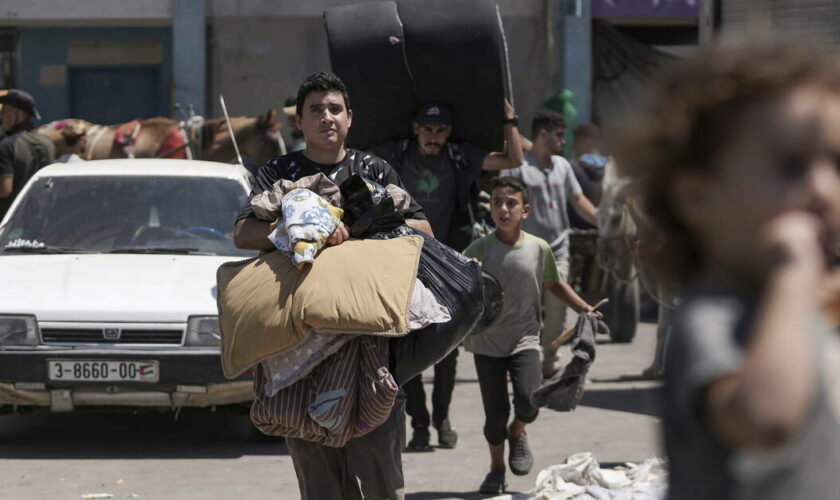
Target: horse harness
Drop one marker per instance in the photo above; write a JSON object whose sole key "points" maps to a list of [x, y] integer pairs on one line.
{"points": [[97, 131], [125, 136], [185, 139]]}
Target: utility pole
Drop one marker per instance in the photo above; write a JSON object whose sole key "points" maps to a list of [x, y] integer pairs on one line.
{"points": [[707, 21], [189, 46], [576, 19]]}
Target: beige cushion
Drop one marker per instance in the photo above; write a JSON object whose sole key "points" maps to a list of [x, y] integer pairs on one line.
{"points": [[267, 305]]}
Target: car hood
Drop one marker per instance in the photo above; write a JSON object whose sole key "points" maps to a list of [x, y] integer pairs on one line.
{"points": [[102, 287]]}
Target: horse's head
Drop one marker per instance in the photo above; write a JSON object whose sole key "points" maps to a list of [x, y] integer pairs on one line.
{"points": [[261, 140], [616, 225], [67, 135], [258, 138]]}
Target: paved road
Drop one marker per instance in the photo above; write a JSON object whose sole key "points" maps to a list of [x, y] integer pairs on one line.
{"points": [[210, 456]]}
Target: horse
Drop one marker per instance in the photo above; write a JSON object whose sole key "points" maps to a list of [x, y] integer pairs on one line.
{"points": [[625, 235], [617, 223], [258, 138]]}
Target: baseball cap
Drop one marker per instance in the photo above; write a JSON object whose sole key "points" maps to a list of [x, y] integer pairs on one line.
{"points": [[21, 100], [434, 112]]}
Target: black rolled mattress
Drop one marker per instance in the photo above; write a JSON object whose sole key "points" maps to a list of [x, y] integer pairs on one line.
{"points": [[394, 56]]}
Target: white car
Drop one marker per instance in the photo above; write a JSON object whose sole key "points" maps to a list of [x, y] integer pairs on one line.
{"points": [[109, 276]]}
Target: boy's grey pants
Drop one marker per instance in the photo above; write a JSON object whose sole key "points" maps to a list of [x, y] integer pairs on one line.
{"points": [[375, 459]]}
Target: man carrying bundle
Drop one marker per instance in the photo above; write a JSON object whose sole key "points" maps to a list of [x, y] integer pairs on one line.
{"points": [[442, 176], [324, 116]]}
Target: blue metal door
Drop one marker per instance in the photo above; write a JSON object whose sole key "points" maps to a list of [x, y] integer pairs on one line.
{"points": [[110, 95]]}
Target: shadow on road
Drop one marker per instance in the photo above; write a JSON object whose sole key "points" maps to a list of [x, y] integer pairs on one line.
{"points": [[445, 495], [625, 378], [642, 400], [197, 434], [459, 380]]}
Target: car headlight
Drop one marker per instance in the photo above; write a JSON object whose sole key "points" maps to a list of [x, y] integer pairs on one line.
{"points": [[18, 330], [203, 331]]}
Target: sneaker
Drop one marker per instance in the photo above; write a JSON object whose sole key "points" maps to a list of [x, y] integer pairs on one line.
{"points": [[420, 440], [520, 458], [447, 437], [494, 483]]}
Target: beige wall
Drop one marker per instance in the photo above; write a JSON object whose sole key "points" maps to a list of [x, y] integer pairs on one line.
{"points": [[85, 12], [260, 53], [260, 50], [256, 62]]}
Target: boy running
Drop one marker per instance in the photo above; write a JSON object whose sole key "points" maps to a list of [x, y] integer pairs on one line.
{"points": [[524, 265]]}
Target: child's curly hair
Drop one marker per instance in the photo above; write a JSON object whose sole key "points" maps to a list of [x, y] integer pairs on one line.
{"points": [[697, 107]]}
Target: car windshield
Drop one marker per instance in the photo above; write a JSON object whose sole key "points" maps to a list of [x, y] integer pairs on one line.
{"points": [[125, 214]]}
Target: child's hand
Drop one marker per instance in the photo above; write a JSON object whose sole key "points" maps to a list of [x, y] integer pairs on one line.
{"points": [[591, 310], [339, 236], [830, 295], [794, 239]]}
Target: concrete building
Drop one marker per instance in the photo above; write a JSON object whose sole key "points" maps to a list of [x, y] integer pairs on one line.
{"points": [[109, 61], [98, 60], [812, 20]]}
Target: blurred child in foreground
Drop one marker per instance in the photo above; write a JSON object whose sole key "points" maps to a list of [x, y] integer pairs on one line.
{"points": [[739, 165]]}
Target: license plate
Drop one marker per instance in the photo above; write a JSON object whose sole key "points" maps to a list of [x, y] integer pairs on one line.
{"points": [[103, 370]]}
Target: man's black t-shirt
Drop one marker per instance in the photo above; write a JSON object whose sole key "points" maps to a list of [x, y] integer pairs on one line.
{"points": [[431, 180], [294, 165], [7, 156], [7, 148]]}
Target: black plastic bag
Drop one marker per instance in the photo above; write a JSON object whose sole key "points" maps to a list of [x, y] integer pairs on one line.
{"points": [[368, 208], [494, 298], [457, 283], [454, 280]]}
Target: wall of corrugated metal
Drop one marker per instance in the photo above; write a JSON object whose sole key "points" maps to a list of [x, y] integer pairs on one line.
{"points": [[817, 20]]}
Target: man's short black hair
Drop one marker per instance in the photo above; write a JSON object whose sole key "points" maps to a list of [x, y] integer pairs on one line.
{"points": [[510, 182], [320, 82], [548, 120]]}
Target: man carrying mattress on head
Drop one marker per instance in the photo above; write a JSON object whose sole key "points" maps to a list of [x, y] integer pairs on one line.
{"points": [[443, 177], [324, 116]]}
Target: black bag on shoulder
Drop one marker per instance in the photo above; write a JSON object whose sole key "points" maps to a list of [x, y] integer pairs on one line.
{"points": [[33, 151], [457, 283]]}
